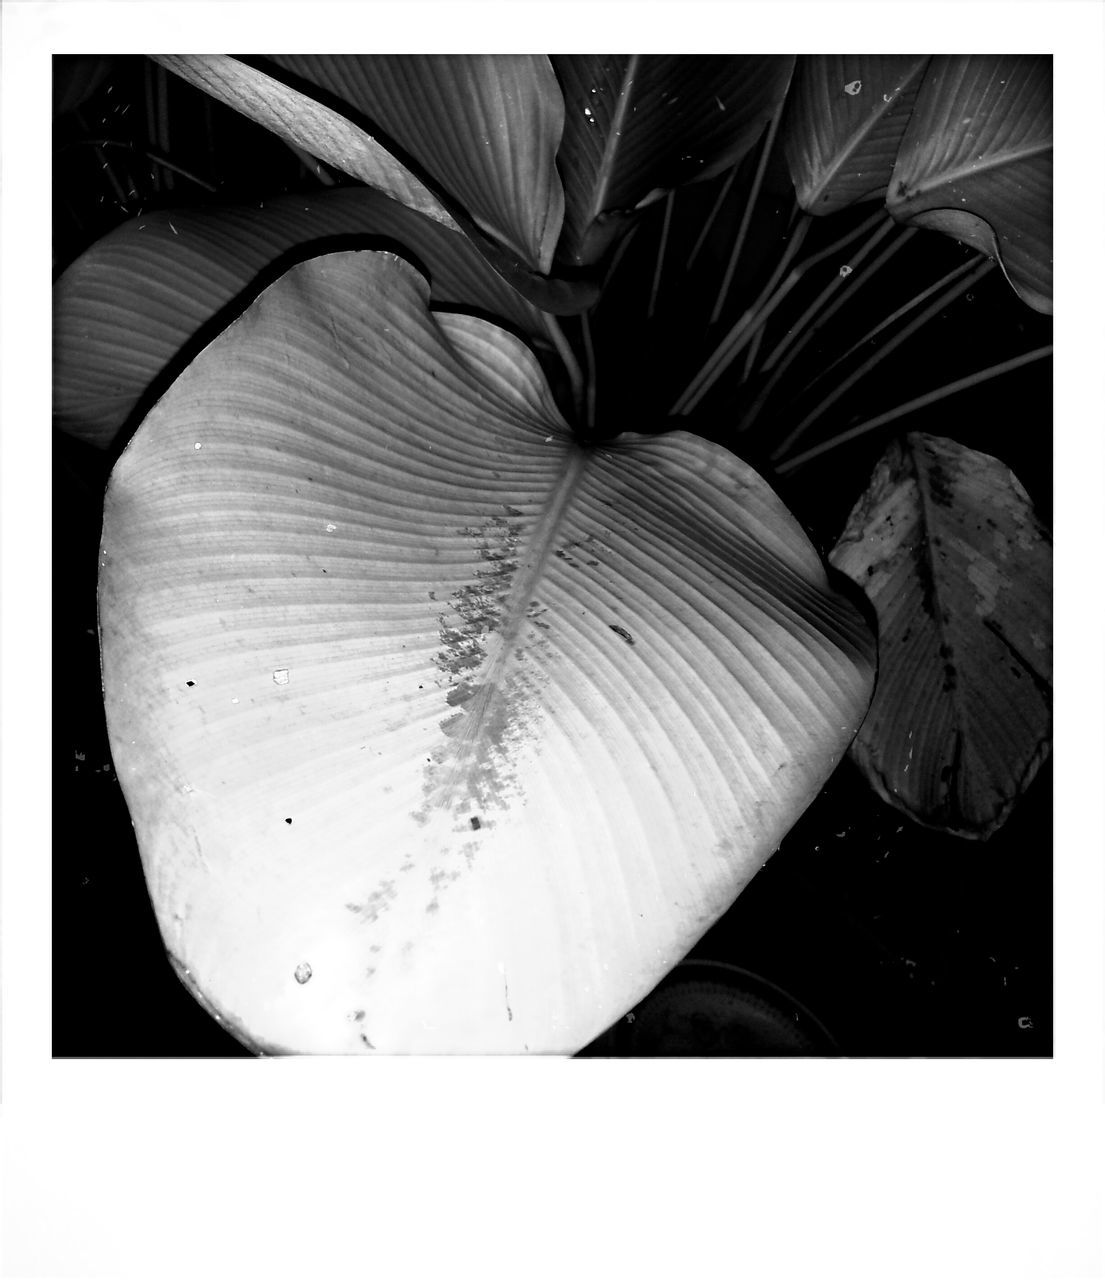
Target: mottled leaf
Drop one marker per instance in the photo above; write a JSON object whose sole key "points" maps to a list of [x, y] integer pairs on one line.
{"points": [[441, 732], [949, 550]]}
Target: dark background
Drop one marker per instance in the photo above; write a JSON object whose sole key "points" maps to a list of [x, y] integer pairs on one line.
{"points": [[901, 941]]}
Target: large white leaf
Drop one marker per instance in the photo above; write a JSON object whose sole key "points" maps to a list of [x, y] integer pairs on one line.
{"points": [[441, 732], [976, 163], [126, 308], [949, 550]]}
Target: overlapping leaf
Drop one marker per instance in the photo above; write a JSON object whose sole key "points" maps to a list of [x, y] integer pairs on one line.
{"points": [[128, 306], [441, 732], [330, 135], [846, 115], [639, 124], [976, 163], [487, 128], [946, 545]]}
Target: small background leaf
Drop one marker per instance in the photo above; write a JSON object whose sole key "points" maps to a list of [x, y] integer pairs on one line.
{"points": [[638, 125], [126, 308], [948, 549], [976, 163], [845, 118], [406, 686]]}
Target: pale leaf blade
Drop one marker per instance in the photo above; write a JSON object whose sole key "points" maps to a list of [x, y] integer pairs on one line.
{"points": [[536, 712], [946, 545]]}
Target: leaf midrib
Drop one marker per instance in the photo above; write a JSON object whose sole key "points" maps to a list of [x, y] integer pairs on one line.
{"points": [[613, 140]]}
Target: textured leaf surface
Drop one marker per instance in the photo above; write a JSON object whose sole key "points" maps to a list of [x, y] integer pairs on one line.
{"points": [[485, 126], [946, 545], [976, 163], [636, 125], [845, 119], [473, 729], [127, 307], [328, 134]]}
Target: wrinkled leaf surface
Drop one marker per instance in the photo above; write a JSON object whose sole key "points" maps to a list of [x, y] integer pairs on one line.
{"points": [[440, 732]]}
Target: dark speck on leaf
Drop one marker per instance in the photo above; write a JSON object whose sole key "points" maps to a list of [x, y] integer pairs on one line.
{"points": [[190, 683], [475, 823], [621, 631], [288, 821]]}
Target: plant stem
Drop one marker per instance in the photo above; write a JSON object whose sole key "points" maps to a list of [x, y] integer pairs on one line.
{"points": [[571, 364], [712, 217], [881, 354], [669, 202], [615, 260], [773, 360], [760, 311], [589, 357], [734, 340], [750, 204], [914, 302], [920, 402], [791, 336]]}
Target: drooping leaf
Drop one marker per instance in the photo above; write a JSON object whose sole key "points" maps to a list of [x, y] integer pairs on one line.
{"points": [[846, 115], [638, 125], [126, 308], [975, 163], [76, 78], [947, 547], [332, 137], [440, 731], [487, 128]]}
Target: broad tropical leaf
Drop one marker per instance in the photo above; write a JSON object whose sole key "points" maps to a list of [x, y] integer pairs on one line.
{"points": [[638, 125], [975, 163], [485, 126], [949, 550], [128, 306], [845, 118], [441, 732], [328, 134]]}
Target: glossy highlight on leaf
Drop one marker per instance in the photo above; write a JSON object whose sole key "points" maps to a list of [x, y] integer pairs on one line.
{"points": [[947, 547], [364, 608], [976, 163]]}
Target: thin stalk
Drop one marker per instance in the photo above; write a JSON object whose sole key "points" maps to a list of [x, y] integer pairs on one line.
{"points": [[911, 406], [753, 412], [751, 355], [669, 203], [746, 220], [904, 310], [592, 369], [835, 284], [163, 119], [571, 364], [880, 355], [152, 156], [615, 260], [712, 217], [151, 117], [719, 360], [755, 317]]}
